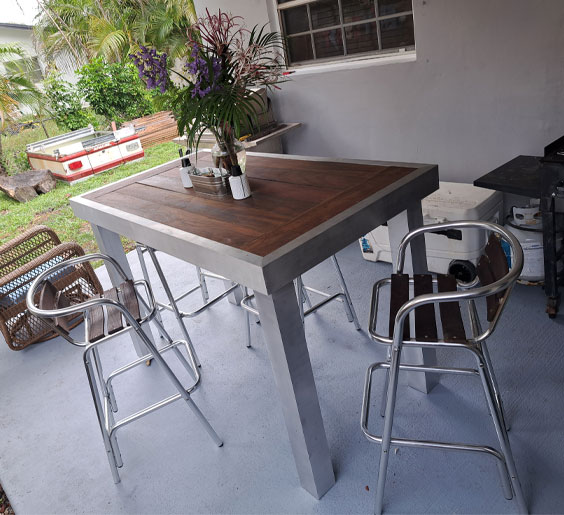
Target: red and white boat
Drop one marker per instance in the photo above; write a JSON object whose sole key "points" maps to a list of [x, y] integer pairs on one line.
{"points": [[84, 152]]}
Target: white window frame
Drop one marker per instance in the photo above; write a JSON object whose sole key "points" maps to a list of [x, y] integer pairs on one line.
{"points": [[376, 57]]}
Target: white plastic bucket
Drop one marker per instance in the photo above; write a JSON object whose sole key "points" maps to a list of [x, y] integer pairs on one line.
{"points": [[526, 225]]}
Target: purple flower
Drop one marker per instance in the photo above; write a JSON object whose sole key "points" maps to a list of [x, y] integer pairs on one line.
{"points": [[152, 67], [199, 68]]}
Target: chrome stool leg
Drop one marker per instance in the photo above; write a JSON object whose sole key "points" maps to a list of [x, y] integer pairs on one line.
{"points": [[203, 285], [387, 432], [503, 438], [164, 334], [107, 389], [249, 309], [303, 298], [384, 400], [343, 296], [301, 295], [91, 374], [113, 437], [504, 459], [247, 318], [488, 368], [183, 393], [145, 273], [171, 300], [110, 407], [349, 308]]}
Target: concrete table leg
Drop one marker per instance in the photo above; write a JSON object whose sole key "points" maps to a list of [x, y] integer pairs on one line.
{"points": [[110, 244], [415, 262], [289, 356]]}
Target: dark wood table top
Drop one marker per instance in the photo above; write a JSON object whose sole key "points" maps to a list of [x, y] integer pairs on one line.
{"points": [[290, 197], [302, 211], [520, 176]]}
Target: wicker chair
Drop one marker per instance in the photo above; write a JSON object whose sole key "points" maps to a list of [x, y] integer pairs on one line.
{"points": [[21, 260]]}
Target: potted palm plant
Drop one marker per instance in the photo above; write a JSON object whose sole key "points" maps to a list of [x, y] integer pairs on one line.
{"points": [[212, 88]]}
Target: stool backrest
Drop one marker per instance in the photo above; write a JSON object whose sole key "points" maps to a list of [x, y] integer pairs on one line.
{"points": [[496, 277], [492, 267], [55, 307], [50, 298]]}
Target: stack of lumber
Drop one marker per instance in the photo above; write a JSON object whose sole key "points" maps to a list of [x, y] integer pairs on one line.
{"points": [[155, 128]]}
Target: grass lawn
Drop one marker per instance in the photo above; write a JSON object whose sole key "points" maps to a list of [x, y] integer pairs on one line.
{"points": [[53, 209]]}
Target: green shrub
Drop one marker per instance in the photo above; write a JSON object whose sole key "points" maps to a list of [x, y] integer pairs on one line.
{"points": [[66, 106], [14, 156], [14, 161], [114, 90]]}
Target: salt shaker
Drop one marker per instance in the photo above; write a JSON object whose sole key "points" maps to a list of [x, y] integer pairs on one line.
{"points": [[239, 184], [185, 170]]}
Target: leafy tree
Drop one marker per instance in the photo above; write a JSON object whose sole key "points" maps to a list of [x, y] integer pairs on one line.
{"points": [[112, 29], [16, 89], [114, 90], [65, 104]]}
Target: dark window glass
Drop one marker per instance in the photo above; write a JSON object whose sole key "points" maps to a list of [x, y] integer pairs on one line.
{"points": [[386, 7], [324, 14], [328, 43], [357, 10], [295, 20], [361, 38], [299, 48], [397, 32], [337, 28]]}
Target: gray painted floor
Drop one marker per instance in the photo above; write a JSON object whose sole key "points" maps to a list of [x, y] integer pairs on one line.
{"points": [[52, 459]]}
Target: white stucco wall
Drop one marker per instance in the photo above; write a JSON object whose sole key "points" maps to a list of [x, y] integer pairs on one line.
{"points": [[487, 84], [22, 37]]}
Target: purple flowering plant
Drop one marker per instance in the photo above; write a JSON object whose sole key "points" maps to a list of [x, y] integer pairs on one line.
{"points": [[152, 67], [212, 88]]}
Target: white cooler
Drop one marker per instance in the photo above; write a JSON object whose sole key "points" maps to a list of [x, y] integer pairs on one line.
{"points": [[452, 201]]}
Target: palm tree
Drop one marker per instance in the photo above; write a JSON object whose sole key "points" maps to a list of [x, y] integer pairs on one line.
{"points": [[16, 89], [112, 28]]}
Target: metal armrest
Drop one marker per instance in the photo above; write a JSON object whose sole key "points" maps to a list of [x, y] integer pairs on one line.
{"points": [[465, 224], [88, 304], [435, 298]]}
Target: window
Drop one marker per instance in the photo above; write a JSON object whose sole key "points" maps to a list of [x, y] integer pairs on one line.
{"points": [[333, 30]]}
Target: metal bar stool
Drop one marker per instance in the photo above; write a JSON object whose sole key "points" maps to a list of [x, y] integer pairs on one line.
{"points": [[494, 282], [303, 298], [172, 303], [103, 319]]}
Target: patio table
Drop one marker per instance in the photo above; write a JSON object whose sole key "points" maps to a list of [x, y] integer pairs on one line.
{"points": [[302, 211]]}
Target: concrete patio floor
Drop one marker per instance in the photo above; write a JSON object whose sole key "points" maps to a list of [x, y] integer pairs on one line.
{"points": [[52, 459]]}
